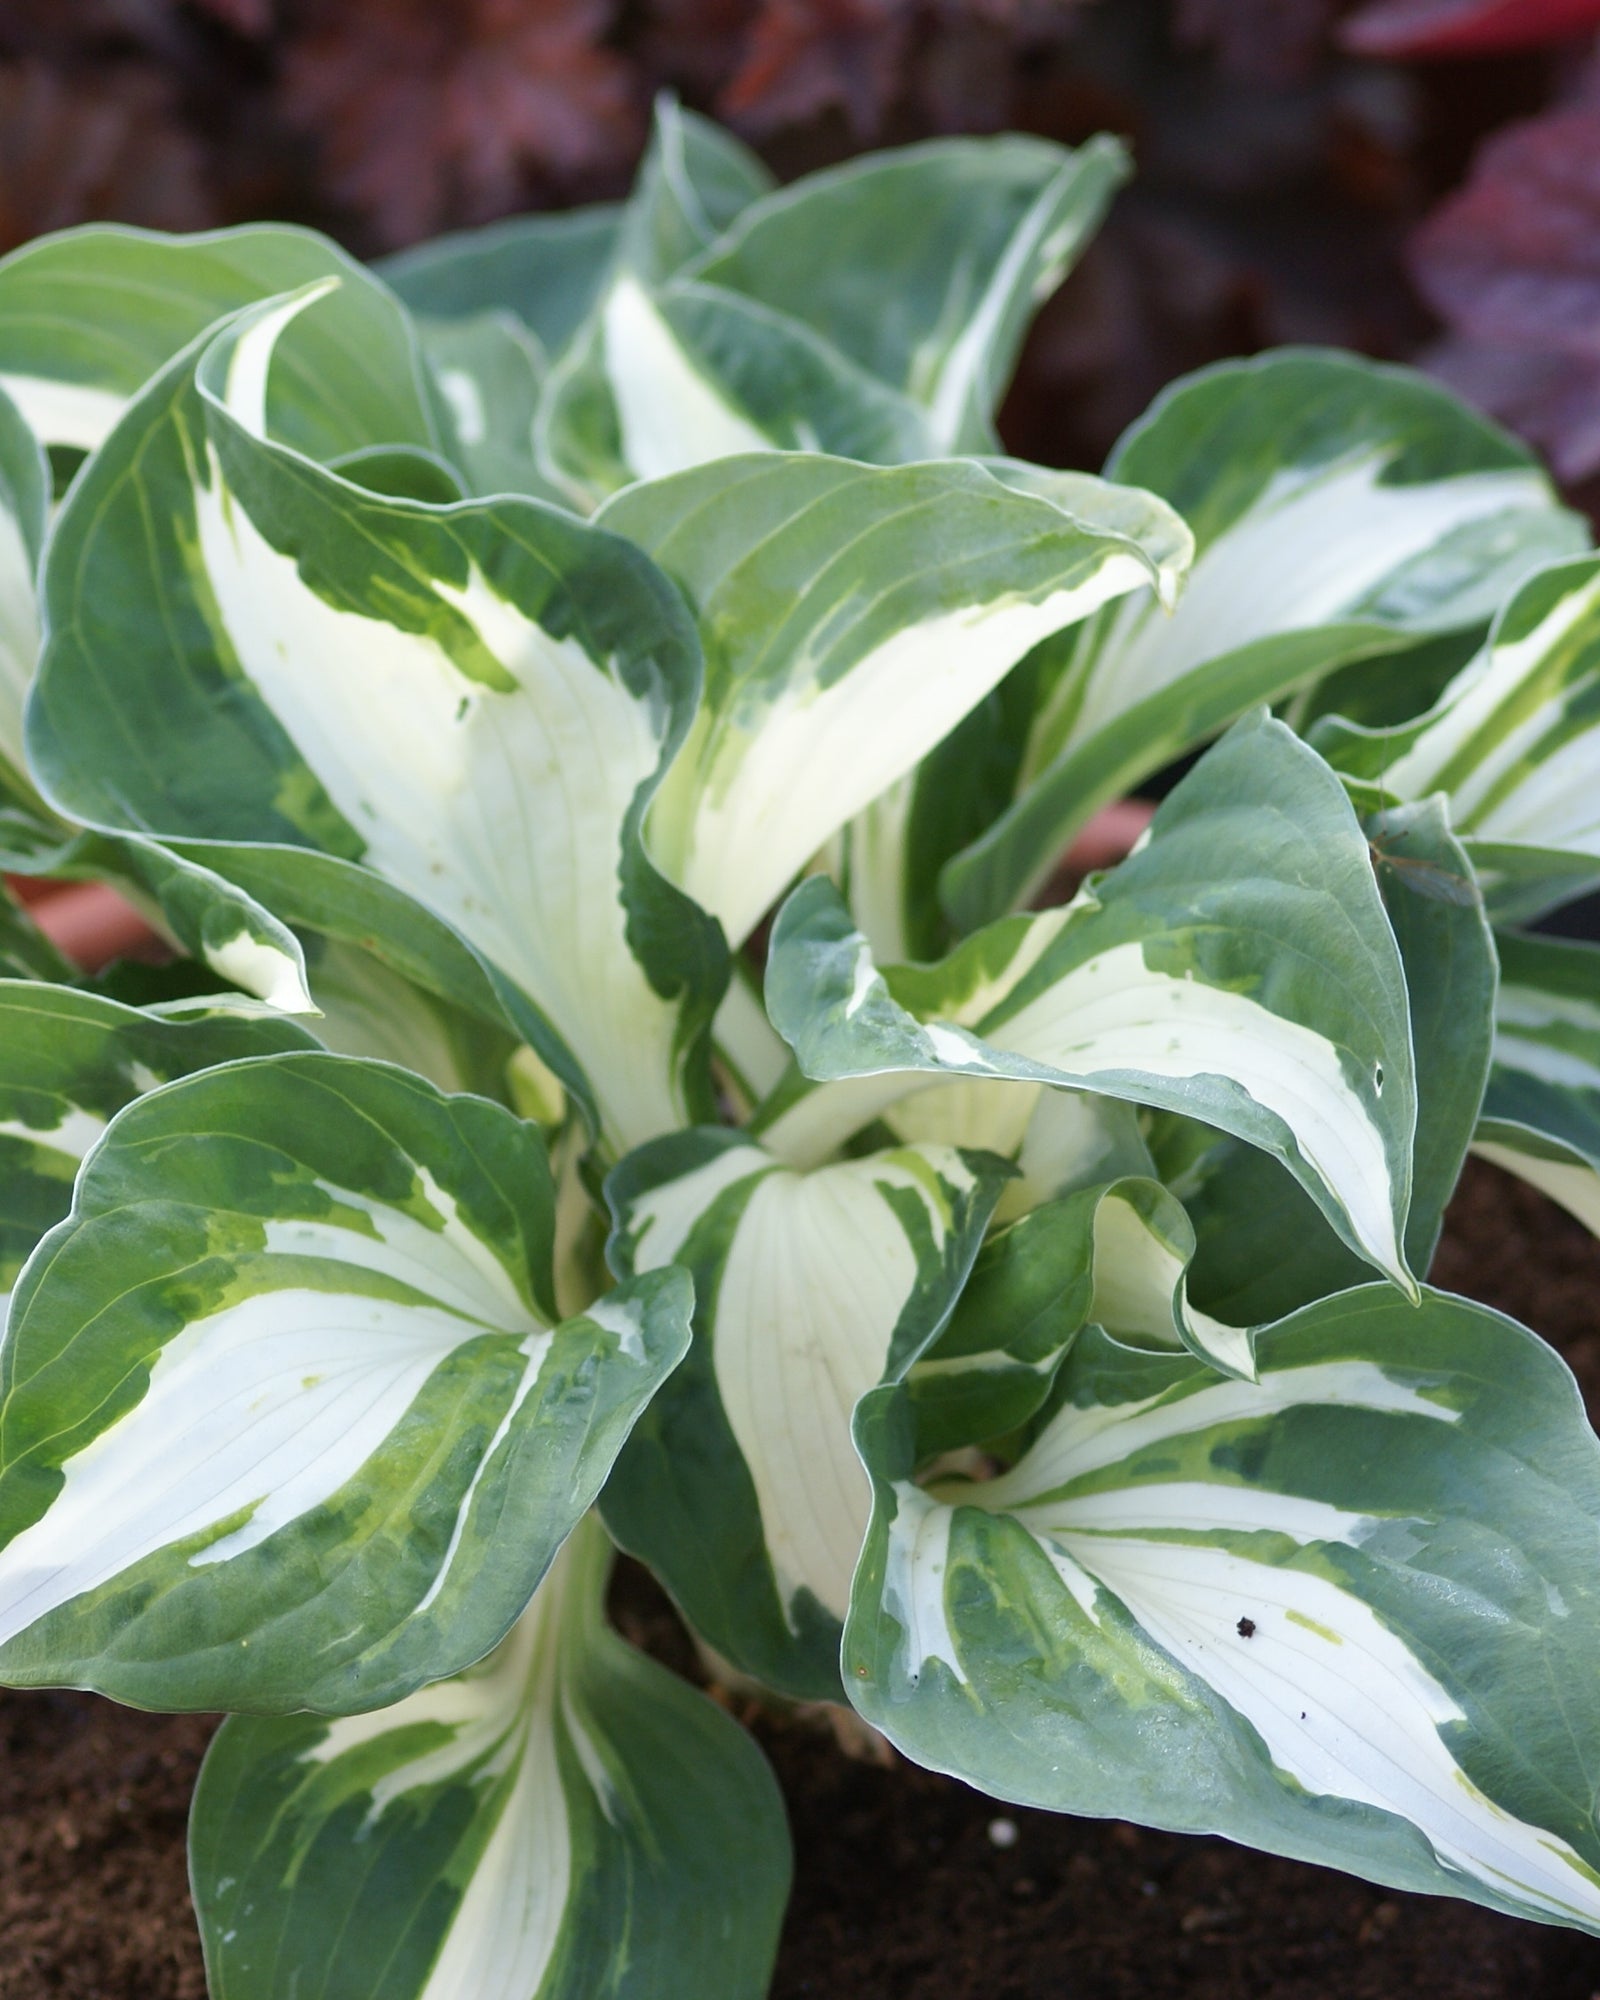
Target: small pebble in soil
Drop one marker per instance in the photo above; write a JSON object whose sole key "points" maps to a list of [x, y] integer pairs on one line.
{"points": [[1002, 1833]]}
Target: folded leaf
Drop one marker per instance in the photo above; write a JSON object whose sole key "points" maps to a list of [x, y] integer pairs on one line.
{"points": [[473, 702], [273, 1391], [1340, 509], [489, 369], [1514, 741], [850, 616], [964, 236], [1238, 968], [1263, 1249], [741, 1489], [565, 1819], [1116, 1255], [1541, 1111], [1346, 1613]]}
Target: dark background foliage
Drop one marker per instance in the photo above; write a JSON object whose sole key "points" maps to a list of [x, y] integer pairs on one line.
{"points": [[1413, 178]]}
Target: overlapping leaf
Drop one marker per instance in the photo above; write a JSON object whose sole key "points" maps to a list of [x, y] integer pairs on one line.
{"points": [[473, 702], [850, 616], [1263, 1249], [1239, 968], [1344, 1613], [274, 1392], [565, 1819], [1541, 1112], [1515, 743], [69, 1061], [743, 326], [1340, 510], [741, 1488]]}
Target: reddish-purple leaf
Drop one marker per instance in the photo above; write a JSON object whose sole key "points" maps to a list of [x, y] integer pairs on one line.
{"points": [[1512, 265], [807, 56], [1463, 27]]}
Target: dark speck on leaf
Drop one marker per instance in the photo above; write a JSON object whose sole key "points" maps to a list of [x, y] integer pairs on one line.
{"points": [[1247, 1628]]}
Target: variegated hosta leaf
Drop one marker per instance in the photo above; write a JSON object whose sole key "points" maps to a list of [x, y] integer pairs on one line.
{"points": [[1515, 743], [274, 1390], [69, 1061], [215, 920], [965, 236], [546, 269], [702, 349], [888, 859], [1541, 1112], [24, 499], [565, 1820], [741, 1488], [1347, 1613], [1263, 1250], [88, 317], [1340, 509], [1238, 968], [472, 702], [851, 615], [670, 380], [1114, 1255]]}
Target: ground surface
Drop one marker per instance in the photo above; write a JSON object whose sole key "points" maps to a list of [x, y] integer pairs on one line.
{"points": [[901, 1893]]}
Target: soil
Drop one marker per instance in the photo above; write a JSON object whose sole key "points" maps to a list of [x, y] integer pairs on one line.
{"points": [[907, 1886]]}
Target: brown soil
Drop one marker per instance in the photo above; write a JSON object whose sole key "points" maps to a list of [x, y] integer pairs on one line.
{"points": [[902, 1891]]}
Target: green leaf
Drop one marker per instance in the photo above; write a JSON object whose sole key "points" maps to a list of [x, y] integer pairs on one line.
{"points": [[489, 369], [69, 1061], [924, 266], [1263, 1248], [214, 920], [473, 702], [1340, 510], [272, 1392], [695, 181], [1541, 1112], [89, 316], [850, 616], [1115, 1255], [675, 379], [1346, 1613], [547, 269], [24, 502], [1514, 741], [1238, 968], [741, 1487], [566, 1819]]}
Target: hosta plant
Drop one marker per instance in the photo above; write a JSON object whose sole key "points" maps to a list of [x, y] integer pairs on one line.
{"points": [[594, 710]]}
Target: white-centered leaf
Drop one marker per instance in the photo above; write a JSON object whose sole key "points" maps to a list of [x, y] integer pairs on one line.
{"points": [[1341, 1613], [565, 1819], [966, 237], [69, 1061], [272, 1390], [1340, 510], [1513, 742], [24, 499], [1541, 1110], [1239, 968], [743, 1491], [851, 615], [472, 701]]}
